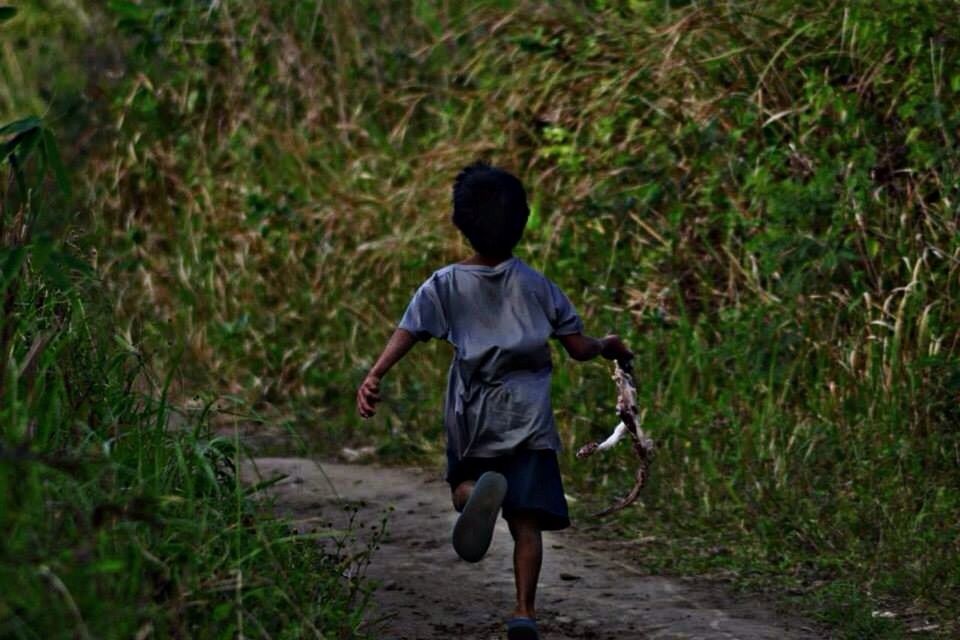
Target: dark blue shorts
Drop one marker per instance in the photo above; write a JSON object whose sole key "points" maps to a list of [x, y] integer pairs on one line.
{"points": [[533, 483]]}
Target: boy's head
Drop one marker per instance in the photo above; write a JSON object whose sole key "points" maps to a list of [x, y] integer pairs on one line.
{"points": [[490, 209]]}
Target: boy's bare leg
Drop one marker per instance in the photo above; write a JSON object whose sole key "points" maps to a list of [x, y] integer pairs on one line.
{"points": [[462, 493], [527, 559]]}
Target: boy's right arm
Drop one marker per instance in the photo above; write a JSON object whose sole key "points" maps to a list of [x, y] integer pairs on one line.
{"points": [[581, 347], [368, 395]]}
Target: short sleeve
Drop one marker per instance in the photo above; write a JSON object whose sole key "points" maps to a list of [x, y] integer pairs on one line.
{"points": [[563, 317], [424, 317]]}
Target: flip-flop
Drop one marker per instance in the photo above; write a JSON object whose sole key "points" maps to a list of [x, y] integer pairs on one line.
{"points": [[474, 529], [522, 629]]}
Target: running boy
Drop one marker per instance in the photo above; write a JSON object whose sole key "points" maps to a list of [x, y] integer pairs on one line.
{"points": [[498, 314]]}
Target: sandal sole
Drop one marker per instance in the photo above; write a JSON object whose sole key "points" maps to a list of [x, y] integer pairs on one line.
{"points": [[474, 529]]}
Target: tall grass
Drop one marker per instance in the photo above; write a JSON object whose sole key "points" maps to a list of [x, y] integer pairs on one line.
{"points": [[762, 197], [117, 524], [118, 520]]}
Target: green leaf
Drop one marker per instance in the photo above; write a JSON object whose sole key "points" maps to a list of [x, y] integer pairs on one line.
{"points": [[74, 263], [24, 141], [11, 260], [129, 10], [19, 126], [46, 260], [122, 341], [7, 12], [56, 276], [222, 611], [112, 565], [52, 155]]}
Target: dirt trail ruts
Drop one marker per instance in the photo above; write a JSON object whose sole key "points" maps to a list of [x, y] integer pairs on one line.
{"points": [[427, 592]]}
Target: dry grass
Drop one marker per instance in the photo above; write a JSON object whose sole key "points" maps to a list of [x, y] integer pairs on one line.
{"points": [[761, 197]]}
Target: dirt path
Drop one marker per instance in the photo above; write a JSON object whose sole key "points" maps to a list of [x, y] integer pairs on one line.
{"points": [[427, 592]]}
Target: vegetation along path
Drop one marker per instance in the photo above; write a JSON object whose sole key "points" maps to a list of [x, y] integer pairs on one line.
{"points": [[427, 592]]}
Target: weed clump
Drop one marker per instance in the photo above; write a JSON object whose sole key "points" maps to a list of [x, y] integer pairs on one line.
{"points": [[118, 519]]}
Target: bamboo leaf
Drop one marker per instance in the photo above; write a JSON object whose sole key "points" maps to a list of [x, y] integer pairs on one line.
{"points": [[11, 260], [52, 156], [74, 263], [129, 10], [24, 141], [19, 126], [110, 565]]}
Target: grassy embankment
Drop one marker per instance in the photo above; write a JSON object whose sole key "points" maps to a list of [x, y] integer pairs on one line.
{"points": [[114, 524], [762, 197]]}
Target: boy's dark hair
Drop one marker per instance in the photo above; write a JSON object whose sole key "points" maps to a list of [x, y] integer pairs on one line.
{"points": [[490, 209]]}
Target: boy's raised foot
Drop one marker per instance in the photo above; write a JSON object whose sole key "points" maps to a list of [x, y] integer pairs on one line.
{"points": [[474, 529]]}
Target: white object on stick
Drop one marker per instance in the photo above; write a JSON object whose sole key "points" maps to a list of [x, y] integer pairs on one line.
{"points": [[629, 424]]}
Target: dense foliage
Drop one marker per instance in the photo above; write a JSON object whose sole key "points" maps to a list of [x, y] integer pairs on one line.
{"points": [[762, 197], [122, 518]]}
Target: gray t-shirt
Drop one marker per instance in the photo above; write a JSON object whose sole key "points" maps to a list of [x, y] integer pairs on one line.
{"points": [[498, 320]]}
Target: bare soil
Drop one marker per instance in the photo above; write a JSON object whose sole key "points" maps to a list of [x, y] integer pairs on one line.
{"points": [[426, 591]]}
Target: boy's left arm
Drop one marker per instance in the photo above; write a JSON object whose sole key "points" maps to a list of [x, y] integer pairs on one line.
{"points": [[568, 329], [581, 347], [368, 395]]}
